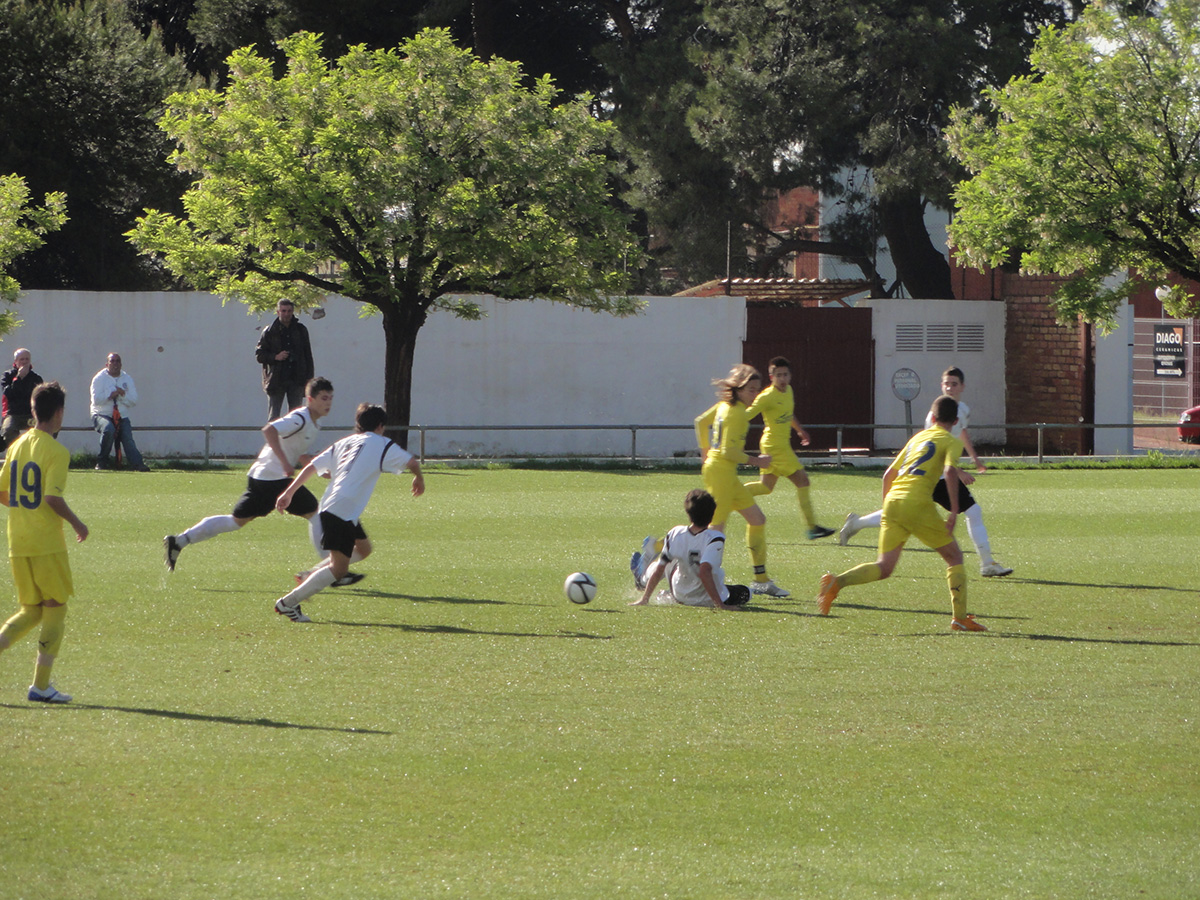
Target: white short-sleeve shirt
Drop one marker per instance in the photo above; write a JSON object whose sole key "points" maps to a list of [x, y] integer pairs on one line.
{"points": [[687, 551], [296, 431], [354, 464]]}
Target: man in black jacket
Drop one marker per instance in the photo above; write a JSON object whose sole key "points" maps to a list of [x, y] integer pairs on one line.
{"points": [[17, 385], [287, 360]]}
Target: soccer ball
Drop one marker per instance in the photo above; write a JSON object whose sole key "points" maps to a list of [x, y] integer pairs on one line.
{"points": [[580, 587]]}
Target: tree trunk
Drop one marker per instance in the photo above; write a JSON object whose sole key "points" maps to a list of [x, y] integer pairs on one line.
{"points": [[924, 272], [400, 327]]}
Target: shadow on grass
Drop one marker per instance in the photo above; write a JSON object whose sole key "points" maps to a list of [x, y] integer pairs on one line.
{"points": [[1069, 639], [200, 717], [453, 629]]}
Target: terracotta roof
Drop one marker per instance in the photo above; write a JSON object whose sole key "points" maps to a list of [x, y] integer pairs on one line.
{"points": [[780, 291]]}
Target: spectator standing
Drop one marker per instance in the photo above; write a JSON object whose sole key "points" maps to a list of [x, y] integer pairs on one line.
{"points": [[286, 357]]}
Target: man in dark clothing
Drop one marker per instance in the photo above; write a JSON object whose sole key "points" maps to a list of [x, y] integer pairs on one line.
{"points": [[17, 384], [287, 361]]}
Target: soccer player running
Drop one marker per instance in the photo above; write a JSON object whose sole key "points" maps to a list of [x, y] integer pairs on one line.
{"points": [[952, 386], [909, 510], [288, 440], [691, 560], [721, 433], [32, 480], [777, 406], [354, 465]]}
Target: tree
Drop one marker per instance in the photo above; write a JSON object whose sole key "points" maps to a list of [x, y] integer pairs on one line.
{"points": [[80, 91], [22, 228], [1094, 164], [403, 179], [798, 92]]}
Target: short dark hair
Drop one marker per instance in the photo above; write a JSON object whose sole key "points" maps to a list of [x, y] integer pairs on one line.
{"points": [[317, 385], [778, 362], [700, 507], [944, 409], [368, 417], [47, 399], [955, 372]]}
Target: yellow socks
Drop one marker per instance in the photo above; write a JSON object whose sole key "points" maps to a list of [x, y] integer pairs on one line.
{"points": [[864, 574], [756, 540], [956, 578], [806, 509]]}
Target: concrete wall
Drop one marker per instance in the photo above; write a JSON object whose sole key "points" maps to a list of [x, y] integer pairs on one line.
{"points": [[526, 363], [929, 336]]}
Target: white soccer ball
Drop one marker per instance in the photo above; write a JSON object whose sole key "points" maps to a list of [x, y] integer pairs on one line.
{"points": [[580, 587]]}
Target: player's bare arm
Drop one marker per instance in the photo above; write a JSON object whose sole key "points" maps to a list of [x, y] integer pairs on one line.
{"points": [[970, 448], [418, 485], [653, 577], [271, 436], [285, 499], [805, 439], [59, 505], [705, 574]]}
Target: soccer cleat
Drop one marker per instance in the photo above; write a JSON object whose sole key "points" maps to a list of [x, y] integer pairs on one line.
{"points": [[770, 588], [348, 579], [849, 528], [171, 550], [635, 565], [50, 695], [994, 570], [827, 594], [966, 623], [819, 531], [292, 612]]}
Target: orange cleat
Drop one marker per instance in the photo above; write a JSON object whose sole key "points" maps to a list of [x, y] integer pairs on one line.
{"points": [[827, 594], [966, 623]]}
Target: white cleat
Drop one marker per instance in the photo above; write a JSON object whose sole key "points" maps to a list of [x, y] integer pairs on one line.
{"points": [[994, 570], [849, 528], [770, 588]]}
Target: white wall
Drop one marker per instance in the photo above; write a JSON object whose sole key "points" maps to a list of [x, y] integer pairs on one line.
{"points": [[526, 363], [983, 368]]}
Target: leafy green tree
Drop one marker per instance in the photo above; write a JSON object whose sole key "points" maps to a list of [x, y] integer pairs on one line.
{"points": [[797, 92], [1094, 164], [80, 92], [22, 229], [402, 179]]}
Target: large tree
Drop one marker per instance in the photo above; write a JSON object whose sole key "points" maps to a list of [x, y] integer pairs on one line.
{"points": [[22, 228], [403, 179], [80, 92], [1093, 166], [798, 92]]}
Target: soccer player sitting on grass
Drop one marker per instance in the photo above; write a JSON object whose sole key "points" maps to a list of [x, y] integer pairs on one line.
{"points": [[287, 443], [353, 465], [691, 559], [32, 480], [777, 406], [909, 510]]}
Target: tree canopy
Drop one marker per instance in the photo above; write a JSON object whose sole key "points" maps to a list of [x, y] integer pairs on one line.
{"points": [[404, 179], [22, 228], [1091, 165]]}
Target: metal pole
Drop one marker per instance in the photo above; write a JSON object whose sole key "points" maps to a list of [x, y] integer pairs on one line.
{"points": [[633, 444], [207, 442], [1041, 438]]}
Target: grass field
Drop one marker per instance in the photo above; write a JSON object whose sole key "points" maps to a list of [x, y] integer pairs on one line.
{"points": [[452, 727]]}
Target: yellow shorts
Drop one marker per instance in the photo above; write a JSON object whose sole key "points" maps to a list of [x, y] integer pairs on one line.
{"points": [[785, 463], [39, 578], [920, 520], [721, 480]]}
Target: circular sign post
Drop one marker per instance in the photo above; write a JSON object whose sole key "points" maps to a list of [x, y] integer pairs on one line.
{"points": [[906, 385]]}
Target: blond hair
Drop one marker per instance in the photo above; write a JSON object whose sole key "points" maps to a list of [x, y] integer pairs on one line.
{"points": [[739, 376]]}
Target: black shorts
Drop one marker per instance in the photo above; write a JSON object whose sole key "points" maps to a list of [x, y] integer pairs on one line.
{"points": [[339, 535], [739, 595], [941, 496], [259, 499]]}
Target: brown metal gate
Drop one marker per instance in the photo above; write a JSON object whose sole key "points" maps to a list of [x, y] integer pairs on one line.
{"points": [[832, 359]]}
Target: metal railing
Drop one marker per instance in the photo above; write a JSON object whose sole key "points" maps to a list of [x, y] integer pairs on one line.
{"points": [[839, 451]]}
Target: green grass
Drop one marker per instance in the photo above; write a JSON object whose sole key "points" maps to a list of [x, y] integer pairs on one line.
{"points": [[452, 727]]}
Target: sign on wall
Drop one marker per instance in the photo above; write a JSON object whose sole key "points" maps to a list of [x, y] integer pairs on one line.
{"points": [[1170, 351]]}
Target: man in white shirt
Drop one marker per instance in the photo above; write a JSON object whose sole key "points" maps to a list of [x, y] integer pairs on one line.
{"points": [[353, 466], [287, 442], [113, 390], [692, 556]]}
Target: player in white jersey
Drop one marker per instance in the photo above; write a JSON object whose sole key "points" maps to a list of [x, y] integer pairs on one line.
{"points": [[288, 440], [692, 559], [353, 465], [953, 383]]}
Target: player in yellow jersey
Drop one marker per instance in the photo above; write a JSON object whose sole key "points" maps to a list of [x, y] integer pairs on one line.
{"points": [[909, 510], [721, 433], [777, 406], [32, 480]]}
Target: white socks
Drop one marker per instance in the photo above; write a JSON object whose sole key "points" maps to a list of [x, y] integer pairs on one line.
{"points": [[979, 535], [207, 528], [317, 581], [870, 520]]}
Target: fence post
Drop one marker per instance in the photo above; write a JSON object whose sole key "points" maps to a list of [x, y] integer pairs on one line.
{"points": [[207, 442], [1041, 438], [633, 445], [839, 445]]}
